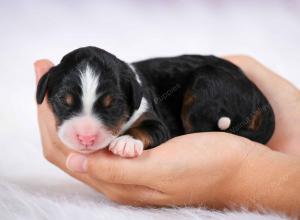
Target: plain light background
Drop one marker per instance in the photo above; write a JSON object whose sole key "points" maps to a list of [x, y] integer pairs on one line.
{"points": [[132, 30]]}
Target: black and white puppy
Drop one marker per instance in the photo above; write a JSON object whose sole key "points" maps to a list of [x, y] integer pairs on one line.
{"points": [[100, 101]]}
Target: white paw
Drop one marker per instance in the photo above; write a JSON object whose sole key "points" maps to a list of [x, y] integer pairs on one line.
{"points": [[126, 146]]}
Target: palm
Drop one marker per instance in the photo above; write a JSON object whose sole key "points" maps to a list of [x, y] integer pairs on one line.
{"points": [[287, 110]]}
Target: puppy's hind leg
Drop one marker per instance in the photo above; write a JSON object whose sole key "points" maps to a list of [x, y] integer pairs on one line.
{"points": [[204, 111]]}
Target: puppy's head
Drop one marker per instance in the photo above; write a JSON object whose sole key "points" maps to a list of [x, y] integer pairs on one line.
{"points": [[92, 95]]}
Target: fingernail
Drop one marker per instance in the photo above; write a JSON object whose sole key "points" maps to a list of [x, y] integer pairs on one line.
{"points": [[77, 163]]}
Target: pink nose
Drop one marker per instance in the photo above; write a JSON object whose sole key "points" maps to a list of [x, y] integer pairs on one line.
{"points": [[86, 140]]}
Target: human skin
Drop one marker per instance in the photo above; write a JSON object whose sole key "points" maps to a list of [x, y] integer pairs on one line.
{"points": [[215, 169]]}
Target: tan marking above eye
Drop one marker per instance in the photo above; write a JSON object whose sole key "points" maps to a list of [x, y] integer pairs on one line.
{"points": [[107, 101], [69, 99]]}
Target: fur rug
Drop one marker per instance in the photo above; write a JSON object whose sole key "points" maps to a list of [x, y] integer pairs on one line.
{"points": [[17, 203], [33, 189]]}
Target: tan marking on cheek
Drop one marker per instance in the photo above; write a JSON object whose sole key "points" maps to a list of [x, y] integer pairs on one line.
{"points": [[107, 101], [117, 128], [256, 120], [142, 136], [145, 138], [188, 101], [69, 100]]}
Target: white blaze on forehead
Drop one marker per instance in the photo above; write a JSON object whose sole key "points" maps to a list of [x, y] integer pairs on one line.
{"points": [[89, 85]]}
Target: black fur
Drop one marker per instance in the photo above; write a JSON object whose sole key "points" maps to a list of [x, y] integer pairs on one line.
{"points": [[220, 89], [42, 89], [217, 87]]}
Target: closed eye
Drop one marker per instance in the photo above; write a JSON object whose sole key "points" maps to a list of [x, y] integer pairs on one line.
{"points": [[107, 101], [69, 100]]}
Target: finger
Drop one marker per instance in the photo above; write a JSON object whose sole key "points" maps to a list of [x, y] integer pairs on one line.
{"points": [[107, 167], [111, 168], [135, 195], [53, 149], [120, 193], [41, 67], [45, 116]]}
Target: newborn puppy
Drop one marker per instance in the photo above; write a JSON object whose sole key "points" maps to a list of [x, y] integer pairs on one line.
{"points": [[100, 101]]}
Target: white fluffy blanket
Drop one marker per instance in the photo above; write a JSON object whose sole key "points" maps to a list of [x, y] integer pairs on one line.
{"points": [[32, 188], [65, 202]]}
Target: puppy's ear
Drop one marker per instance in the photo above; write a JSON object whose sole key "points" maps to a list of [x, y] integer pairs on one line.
{"points": [[42, 88], [136, 94], [133, 92]]}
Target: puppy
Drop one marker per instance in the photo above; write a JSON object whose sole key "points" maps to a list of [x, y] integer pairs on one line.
{"points": [[100, 101]]}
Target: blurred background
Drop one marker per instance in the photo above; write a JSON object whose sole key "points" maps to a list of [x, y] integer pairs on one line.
{"points": [[32, 29]]}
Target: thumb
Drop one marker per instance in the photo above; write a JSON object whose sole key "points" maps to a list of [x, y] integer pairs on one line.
{"points": [[41, 67], [107, 167]]}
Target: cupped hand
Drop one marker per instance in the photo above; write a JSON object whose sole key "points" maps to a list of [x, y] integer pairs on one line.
{"points": [[283, 97], [195, 169]]}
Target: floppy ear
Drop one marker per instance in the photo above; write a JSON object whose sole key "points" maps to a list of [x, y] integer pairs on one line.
{"points": [[42, 88], [133, 92], [136, 94]]}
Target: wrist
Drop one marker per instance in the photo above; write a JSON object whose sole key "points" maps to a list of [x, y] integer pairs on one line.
{"points": [[268, 180]]}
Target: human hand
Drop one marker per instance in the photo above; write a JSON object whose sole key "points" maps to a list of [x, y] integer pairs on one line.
{"points": [[177, 159], [188, 170], [283, 97]]}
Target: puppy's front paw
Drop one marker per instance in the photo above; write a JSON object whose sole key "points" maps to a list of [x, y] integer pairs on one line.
{"points": [[126, 146]]}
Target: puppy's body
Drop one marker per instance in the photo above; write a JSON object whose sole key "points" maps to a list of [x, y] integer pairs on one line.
{"points": [[100, 101], [194, 92]]}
